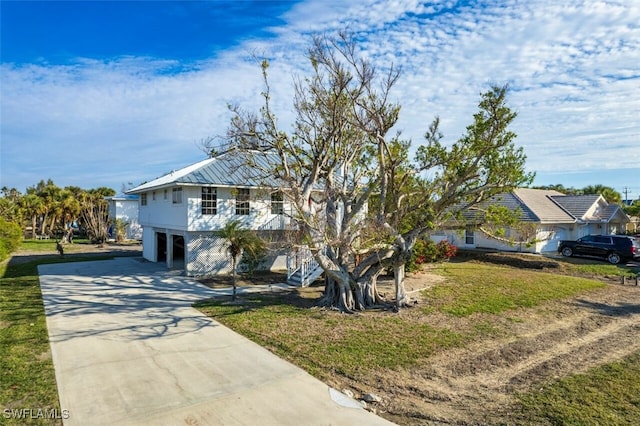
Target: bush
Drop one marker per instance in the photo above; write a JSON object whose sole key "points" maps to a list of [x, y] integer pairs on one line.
{"points": [[427, 251], [10, 238]]}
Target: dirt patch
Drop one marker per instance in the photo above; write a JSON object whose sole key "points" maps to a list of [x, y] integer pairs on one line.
{"points": [[477, 384], [245, 280]]}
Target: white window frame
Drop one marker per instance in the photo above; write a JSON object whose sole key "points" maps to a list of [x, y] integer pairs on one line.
{"points": [[209, 201], [176, 195], [243, 203]]}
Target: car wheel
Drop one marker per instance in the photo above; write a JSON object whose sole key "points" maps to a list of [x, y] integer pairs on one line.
{"points": [[567, 251], [613, 258]]}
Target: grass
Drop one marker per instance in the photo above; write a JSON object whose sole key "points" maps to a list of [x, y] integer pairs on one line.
{"points": [[471, 304], [49, 246], [322, 341], [28, 378], [607, 395], [356, 345], [476, 288]]}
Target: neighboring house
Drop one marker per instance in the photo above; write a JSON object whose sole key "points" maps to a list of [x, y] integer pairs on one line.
{"points": [[554, 217], [181, 212], [125, 208], [634, 225]]}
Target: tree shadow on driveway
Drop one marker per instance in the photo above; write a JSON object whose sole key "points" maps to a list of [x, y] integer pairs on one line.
{"points": [[123, 298]]}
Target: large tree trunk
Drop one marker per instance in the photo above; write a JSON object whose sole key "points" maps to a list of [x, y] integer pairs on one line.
{"points": [[398, 280], [366, 291], [349, 295], [338, 295]]}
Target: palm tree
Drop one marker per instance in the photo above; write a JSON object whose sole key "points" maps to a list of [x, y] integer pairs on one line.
{"points": [[33, 207], [611, 195], [239, 240]]}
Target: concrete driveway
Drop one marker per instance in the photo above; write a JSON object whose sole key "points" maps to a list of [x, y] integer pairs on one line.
{"points": [[128, 349]]}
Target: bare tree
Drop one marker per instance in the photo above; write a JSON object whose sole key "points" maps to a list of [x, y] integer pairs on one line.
{"points": [[359, 199]]}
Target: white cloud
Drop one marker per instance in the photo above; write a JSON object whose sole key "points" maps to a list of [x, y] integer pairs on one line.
{"points": [[572, 67]]}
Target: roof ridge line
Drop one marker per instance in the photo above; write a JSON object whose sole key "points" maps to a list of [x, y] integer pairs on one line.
{"points": [[550, 197]]}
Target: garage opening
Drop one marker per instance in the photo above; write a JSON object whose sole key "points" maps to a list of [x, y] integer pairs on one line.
{"points": [[161, 247], [178, 248]]}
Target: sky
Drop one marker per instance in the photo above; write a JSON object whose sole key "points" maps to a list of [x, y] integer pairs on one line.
{"points": [[116, 93]]}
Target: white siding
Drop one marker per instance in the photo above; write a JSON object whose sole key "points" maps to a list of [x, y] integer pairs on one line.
{"points": [[162, 213], [149, 244], [127, 211], [259, 216]]}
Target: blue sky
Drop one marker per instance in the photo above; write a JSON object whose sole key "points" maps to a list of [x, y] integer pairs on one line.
{"points": [[116, 93]]}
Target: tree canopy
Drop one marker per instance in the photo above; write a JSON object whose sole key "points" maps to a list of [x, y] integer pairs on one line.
{"points": [[48, 209], [361, 195]]}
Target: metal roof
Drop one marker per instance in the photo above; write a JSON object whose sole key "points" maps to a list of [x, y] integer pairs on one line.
{"points": [[233, 168]]}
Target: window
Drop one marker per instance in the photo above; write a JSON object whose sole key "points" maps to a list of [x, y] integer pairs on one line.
{"points": [[469, 236], [242, 201], [153, 195], [143, 199], [277, 203], [209, 201], [177, 195], [165, 194]]}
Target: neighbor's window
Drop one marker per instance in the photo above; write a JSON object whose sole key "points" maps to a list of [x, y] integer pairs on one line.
{"points": [[277, 203], [153, 195], [469, 236], [177, 195], [209, 201], [143, 199], [165, 194], [242, 201]]}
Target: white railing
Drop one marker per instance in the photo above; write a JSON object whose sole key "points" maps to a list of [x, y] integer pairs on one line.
{"points": [[280, 222], [302, 263]]}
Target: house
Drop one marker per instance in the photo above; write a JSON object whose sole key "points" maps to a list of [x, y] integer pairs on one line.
{"points": [[181, 212], [553, 216], [125, 208]]}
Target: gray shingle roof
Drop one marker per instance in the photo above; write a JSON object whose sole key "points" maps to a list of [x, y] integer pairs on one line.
{"points": [[577, 205], [544, 206]]}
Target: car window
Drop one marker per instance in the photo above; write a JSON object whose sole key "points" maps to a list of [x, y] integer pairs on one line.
{"points": [[586, 239], [603, 240]]}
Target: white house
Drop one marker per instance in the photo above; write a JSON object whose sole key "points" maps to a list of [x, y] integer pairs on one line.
{"points": [[125, 208], [555, 216], [181, 211]]}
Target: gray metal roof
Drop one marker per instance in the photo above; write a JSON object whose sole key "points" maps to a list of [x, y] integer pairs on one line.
{"points": [[233, 168]]}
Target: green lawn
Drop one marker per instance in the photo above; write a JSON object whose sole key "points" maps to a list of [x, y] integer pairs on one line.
{"points": [[476, 288], [466, 307], [607, 395], [28, 378]]}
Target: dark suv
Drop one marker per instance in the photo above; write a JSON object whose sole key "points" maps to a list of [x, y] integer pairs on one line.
{"points": [[614, 248]]}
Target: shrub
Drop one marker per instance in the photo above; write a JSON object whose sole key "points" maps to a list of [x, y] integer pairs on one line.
{"points": [[445, 250], [427, 251], [10, 238]]}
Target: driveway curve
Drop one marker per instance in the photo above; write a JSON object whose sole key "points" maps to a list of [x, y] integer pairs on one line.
{"points": [[129, 349]]}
